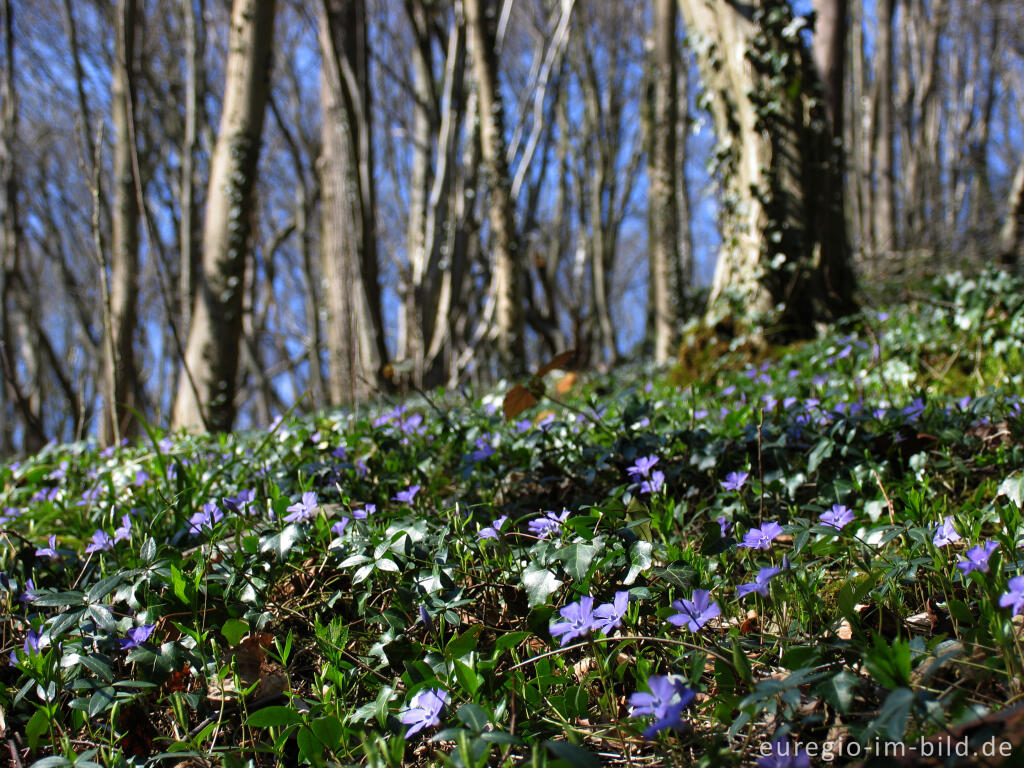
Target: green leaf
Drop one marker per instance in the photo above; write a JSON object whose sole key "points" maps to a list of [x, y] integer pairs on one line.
{"points": [[101, 700], [148, 551], [386, 564], [576, 558], [539, 583], [641, 557], [103, 587], [59, 599], [273, 716], [468, 679], [1013, 489], [234, 630], [473, 716], [310, 746], [37, 725], [178, 585], [839, 690], [329, 730], [465, 643], [573, 755], [895, 712]]}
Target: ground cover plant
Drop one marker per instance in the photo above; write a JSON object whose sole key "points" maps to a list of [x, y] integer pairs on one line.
{"points": [[816, 545]]}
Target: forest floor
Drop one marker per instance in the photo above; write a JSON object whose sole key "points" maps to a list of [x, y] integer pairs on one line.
{"points": [[808, 556]]}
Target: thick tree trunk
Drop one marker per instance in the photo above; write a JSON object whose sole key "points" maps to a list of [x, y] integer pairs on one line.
{"points": [[188, 232], [1011, 240], [355, 329], [121, 371], [784, 260], [662, 208], [507, 272], [211, 354]]}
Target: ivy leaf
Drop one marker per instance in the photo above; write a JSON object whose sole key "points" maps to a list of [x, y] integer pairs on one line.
{"points": [[539, 583]]}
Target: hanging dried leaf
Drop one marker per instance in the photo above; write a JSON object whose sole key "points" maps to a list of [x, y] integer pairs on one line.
{"points": [[520, 397], [517, 400]]}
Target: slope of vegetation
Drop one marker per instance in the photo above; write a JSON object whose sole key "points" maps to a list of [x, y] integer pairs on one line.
{"points": [[820, 546]]}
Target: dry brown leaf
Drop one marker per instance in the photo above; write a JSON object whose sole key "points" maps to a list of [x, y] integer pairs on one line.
{"points": [[252, 667]]}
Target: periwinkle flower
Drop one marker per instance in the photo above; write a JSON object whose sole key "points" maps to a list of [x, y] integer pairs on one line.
{"points": [[550, 524], [977, 557], [654, 483], [50, 550], [837, 517], [946, 533], [302, 510], [493, 531], [207, 517], [642, 467], [761, 538], [29, 593], [666, 701], [759, 584], [424, 710], [724, 526], [136, 636], [579, 620], [242, 503], [696, 612], [339, 527], [124, 532], [734, 481], [1014, 595], [101, 542], [407, 496], [609, 615]]}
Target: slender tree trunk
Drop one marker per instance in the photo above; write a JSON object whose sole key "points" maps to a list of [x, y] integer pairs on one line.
{"points": [[188, 235], [121, 372], [1011, 239], [507, 274], [355, 329], [11, 222], [662, 222], [211, 352], [883, 201], [684, 250], [784, 234]]}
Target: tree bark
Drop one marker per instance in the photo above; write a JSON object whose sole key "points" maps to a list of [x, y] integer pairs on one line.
{"points": [[662, 208], [1011, 240], [507, 272], [121, 371], [784, 262], [188, 232], [355, 330], [211, 353], [883, 201]]}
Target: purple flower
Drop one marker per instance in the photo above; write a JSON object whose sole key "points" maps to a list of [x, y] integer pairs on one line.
{"points": [[32, 642], [29, 594], [579, 620], [724, 526], [761, 538], [493, 531], [136, 636], [1014, 596], [642, 467], [240, 504], [483, 449], [609, 616], [424, 710], [523, 425], [784, 756], [668, 698], [339, 527], [695, 613], [125, 531], [101, 542], [407, 495], [654, 484], [945, 534], [50, 550], [977, 557], [550, 524], [303, 510], [734, 481], [837, 517], [759, 584], [207, 517]]}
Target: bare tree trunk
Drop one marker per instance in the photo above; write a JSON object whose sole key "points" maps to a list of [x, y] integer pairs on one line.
{"points": [[121, 371], [11, 221], [355, 329], [684, 250], [507, 275], [1011, 240], [213, 342], [883, 202], [662, 209], [784, 234], [188, 235]]}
